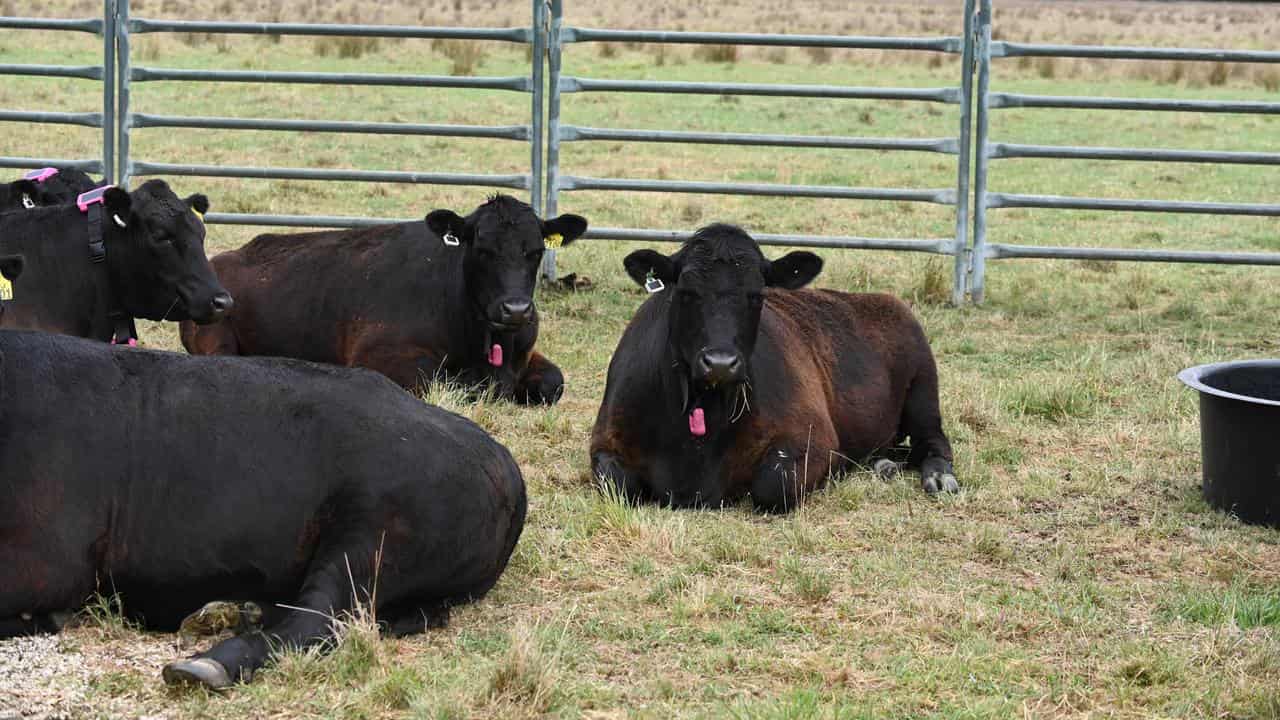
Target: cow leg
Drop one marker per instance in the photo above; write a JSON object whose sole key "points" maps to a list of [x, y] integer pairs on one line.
{"points": [[326, 593], [791, 469], [615, 477], [930, 449], [28, 624], [542, 383]]}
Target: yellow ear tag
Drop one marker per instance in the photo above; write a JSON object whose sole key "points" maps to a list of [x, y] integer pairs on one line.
{"points": [[553, 241], [198, 215], [6, 288]]}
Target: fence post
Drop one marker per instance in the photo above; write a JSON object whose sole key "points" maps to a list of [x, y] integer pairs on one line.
{"points": [[977, 279], [122, 118], [535, 142], [551, 208], [108, 89], [963, 257]]}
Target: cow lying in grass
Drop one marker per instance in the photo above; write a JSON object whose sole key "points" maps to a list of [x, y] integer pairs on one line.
{"points": [[47, 186], [732, 380], [451, 298], [95, 264], [175, 480]]}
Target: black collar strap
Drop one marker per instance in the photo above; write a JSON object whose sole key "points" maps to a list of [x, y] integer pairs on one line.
{"points": [[123, 331]]}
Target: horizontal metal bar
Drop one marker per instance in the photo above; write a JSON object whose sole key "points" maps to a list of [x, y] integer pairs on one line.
{"points": [[1014, 150], [570, 84], [507, 132], [1119, 52], [518, 182], [88, 72], [1003, 200], [516, 35], [939, 44], [311, 221], [576, 133], [1007, 100], [941, 246], [145, 74], [52, 118], [1187, 256], [93, 25], [941, 197], [89, 166]]}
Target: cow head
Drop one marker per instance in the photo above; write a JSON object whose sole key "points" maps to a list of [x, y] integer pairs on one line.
{"points": [[717, 282], [56, 189], [502, 243], [155, 251]]}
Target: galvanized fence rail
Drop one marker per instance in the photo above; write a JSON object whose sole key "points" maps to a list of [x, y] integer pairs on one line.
{"points": [[988, 151], [957, 196], [530, 133], [103, 27]]}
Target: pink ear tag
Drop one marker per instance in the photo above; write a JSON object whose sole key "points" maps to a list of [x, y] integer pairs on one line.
{"points": [[697, 423], [495, 355]]}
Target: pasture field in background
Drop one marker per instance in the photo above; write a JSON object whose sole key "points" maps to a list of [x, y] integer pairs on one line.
{"points": [[1079, 573]]}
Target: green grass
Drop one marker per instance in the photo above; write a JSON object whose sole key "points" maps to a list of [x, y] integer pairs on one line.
{"points": [[1078, 574]]}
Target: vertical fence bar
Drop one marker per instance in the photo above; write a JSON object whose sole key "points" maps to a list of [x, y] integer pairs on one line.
{"points": [[977, 278], [108, 89], [122, 58], [961, 249], [554, 49], [536, 59]]}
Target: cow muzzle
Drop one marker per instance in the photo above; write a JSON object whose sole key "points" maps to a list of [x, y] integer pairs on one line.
{"points": [[720, 367], [511, 314]]}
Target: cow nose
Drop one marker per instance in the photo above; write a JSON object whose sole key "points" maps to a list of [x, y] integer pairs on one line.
{"points": [[221, 304], [515, 312], [720, 366]]}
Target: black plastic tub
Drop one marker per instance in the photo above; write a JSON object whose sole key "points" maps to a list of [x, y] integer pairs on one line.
{"points": [[1240, 436]]}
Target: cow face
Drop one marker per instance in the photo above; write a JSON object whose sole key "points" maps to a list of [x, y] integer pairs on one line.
{"points": [[502, 244], [155, 250], [717, 282]]}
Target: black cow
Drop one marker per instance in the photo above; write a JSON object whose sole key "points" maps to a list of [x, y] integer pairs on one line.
{"points": [[732, 380], [144, 259], [174, 480], [450, 297], [49, 186]]}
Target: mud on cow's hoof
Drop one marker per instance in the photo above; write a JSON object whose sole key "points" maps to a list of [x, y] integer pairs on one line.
{"points": [[197, 671]]}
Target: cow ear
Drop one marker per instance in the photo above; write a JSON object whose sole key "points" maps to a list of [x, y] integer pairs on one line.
{"points": [[793, 270], [445, 222], [117, 201], [198, 202], [11, 266], [643, 264], [25, 187], [568, 227]]}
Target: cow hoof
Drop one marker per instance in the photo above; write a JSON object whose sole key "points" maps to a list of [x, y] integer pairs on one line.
{"points": [[197, 671], [936, 481], [949, 483], [887, 469]]}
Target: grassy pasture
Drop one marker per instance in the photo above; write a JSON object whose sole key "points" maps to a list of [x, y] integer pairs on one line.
{"points": [[1078, 574]]}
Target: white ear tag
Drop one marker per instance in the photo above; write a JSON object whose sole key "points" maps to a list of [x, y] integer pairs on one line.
{"points": [[116, 218], [27, 202], [654, 285], [451, 240]]}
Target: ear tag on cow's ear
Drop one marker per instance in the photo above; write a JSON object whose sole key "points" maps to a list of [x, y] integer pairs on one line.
{"points": [[199, 215], [451, 240], [27, 202], [553, 241], [116, 219], [653, 284]]}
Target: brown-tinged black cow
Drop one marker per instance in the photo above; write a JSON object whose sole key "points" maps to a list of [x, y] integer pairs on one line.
{"points": [[174, 480], [732, 380], [89, 271], [46, 186], [451, 297]]}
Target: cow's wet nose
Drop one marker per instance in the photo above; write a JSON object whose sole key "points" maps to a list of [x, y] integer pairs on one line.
{"points": [[720, 366], [516, 312], [221, 304]]}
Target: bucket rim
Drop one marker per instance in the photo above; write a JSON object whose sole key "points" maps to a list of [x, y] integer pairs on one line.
{"points": [[1191, 377]]}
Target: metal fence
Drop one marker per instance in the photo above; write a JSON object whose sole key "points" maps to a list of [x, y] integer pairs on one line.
{"points": [[530, 133], [957, 196], [548, 34], [987, 151], [103, 27]]}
